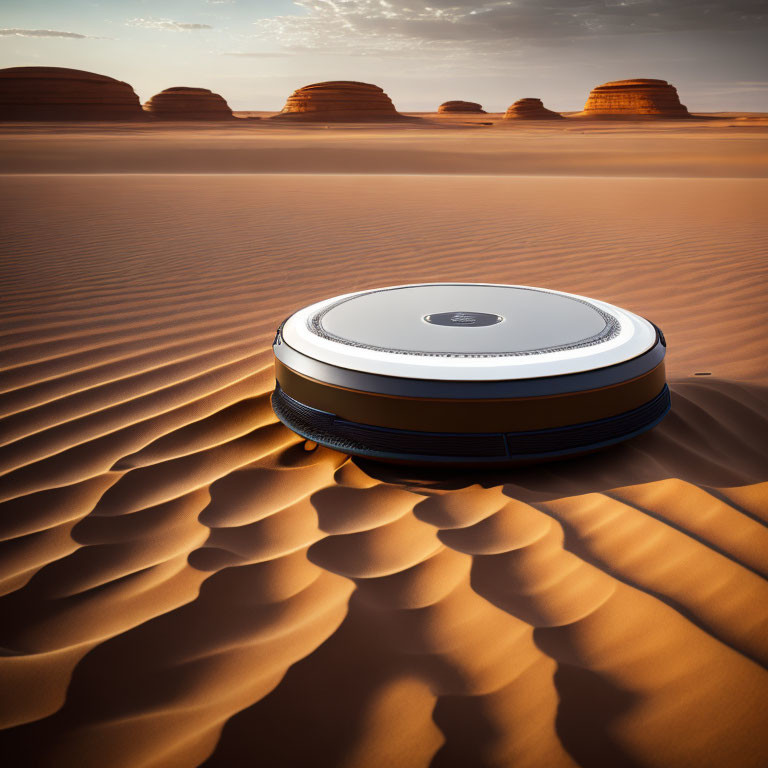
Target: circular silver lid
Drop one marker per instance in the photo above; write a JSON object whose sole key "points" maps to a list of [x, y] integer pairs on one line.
{"points": [[467, 331], [463, 320]]}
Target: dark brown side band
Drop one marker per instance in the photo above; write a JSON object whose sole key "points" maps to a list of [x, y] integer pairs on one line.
{"points": [[444, 415]]}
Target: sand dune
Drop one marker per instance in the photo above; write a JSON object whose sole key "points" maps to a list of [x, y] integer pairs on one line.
{"points": [[186, 582]]}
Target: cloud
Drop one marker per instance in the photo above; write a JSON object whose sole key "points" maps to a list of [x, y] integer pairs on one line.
{"points": [[739, 86], [167, 24], [44, 33], [260, 55], [445, 24]]}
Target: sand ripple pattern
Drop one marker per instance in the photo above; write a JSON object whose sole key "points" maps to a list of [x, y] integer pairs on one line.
{"points": [[185, 582]]}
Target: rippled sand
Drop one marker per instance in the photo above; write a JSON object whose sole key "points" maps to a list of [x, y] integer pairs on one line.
{"points": [[184, 582]]}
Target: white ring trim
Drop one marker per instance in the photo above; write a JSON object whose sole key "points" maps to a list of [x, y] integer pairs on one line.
{"points": [[636, 336]]}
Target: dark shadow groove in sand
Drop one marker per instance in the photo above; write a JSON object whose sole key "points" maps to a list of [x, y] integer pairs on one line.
{"points": [[742, 510], [708, 543], [325, 707], [590, 707], [571, 544]]}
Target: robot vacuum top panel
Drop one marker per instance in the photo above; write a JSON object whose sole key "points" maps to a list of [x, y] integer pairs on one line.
{"points": [[457, 331]]}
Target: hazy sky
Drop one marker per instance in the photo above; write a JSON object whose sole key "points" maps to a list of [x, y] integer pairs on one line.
{"points": [[422, 52]]}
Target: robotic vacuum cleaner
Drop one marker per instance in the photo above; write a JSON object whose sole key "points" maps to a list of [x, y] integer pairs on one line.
{"points": [[468, 373]]}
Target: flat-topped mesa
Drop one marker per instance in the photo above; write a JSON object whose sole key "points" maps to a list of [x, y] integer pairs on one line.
{"points": [[183, 103], [343, 101], [471, 107], [531, 109], [60, 94], [637, 98]]}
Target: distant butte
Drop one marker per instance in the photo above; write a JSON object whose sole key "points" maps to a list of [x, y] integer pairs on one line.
{"points": [[461, 107], [183, 103], [531, 109], [342, 101], [56, 93], [637, 98]]}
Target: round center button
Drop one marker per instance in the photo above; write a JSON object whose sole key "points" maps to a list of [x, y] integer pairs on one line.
{"points": [[463, 319]]}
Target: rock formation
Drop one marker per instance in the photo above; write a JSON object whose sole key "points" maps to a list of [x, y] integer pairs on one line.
{"points": [[461, 106], [340, 101], [55, 93], [531, 109], [640, 97], [188, 104]]}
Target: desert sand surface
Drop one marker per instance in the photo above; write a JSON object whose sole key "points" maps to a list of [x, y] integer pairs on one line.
{"points": [[185, 582], [433, 144]]}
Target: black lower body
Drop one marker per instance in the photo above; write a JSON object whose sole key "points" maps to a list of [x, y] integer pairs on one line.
{"points": [[462, 447]]}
